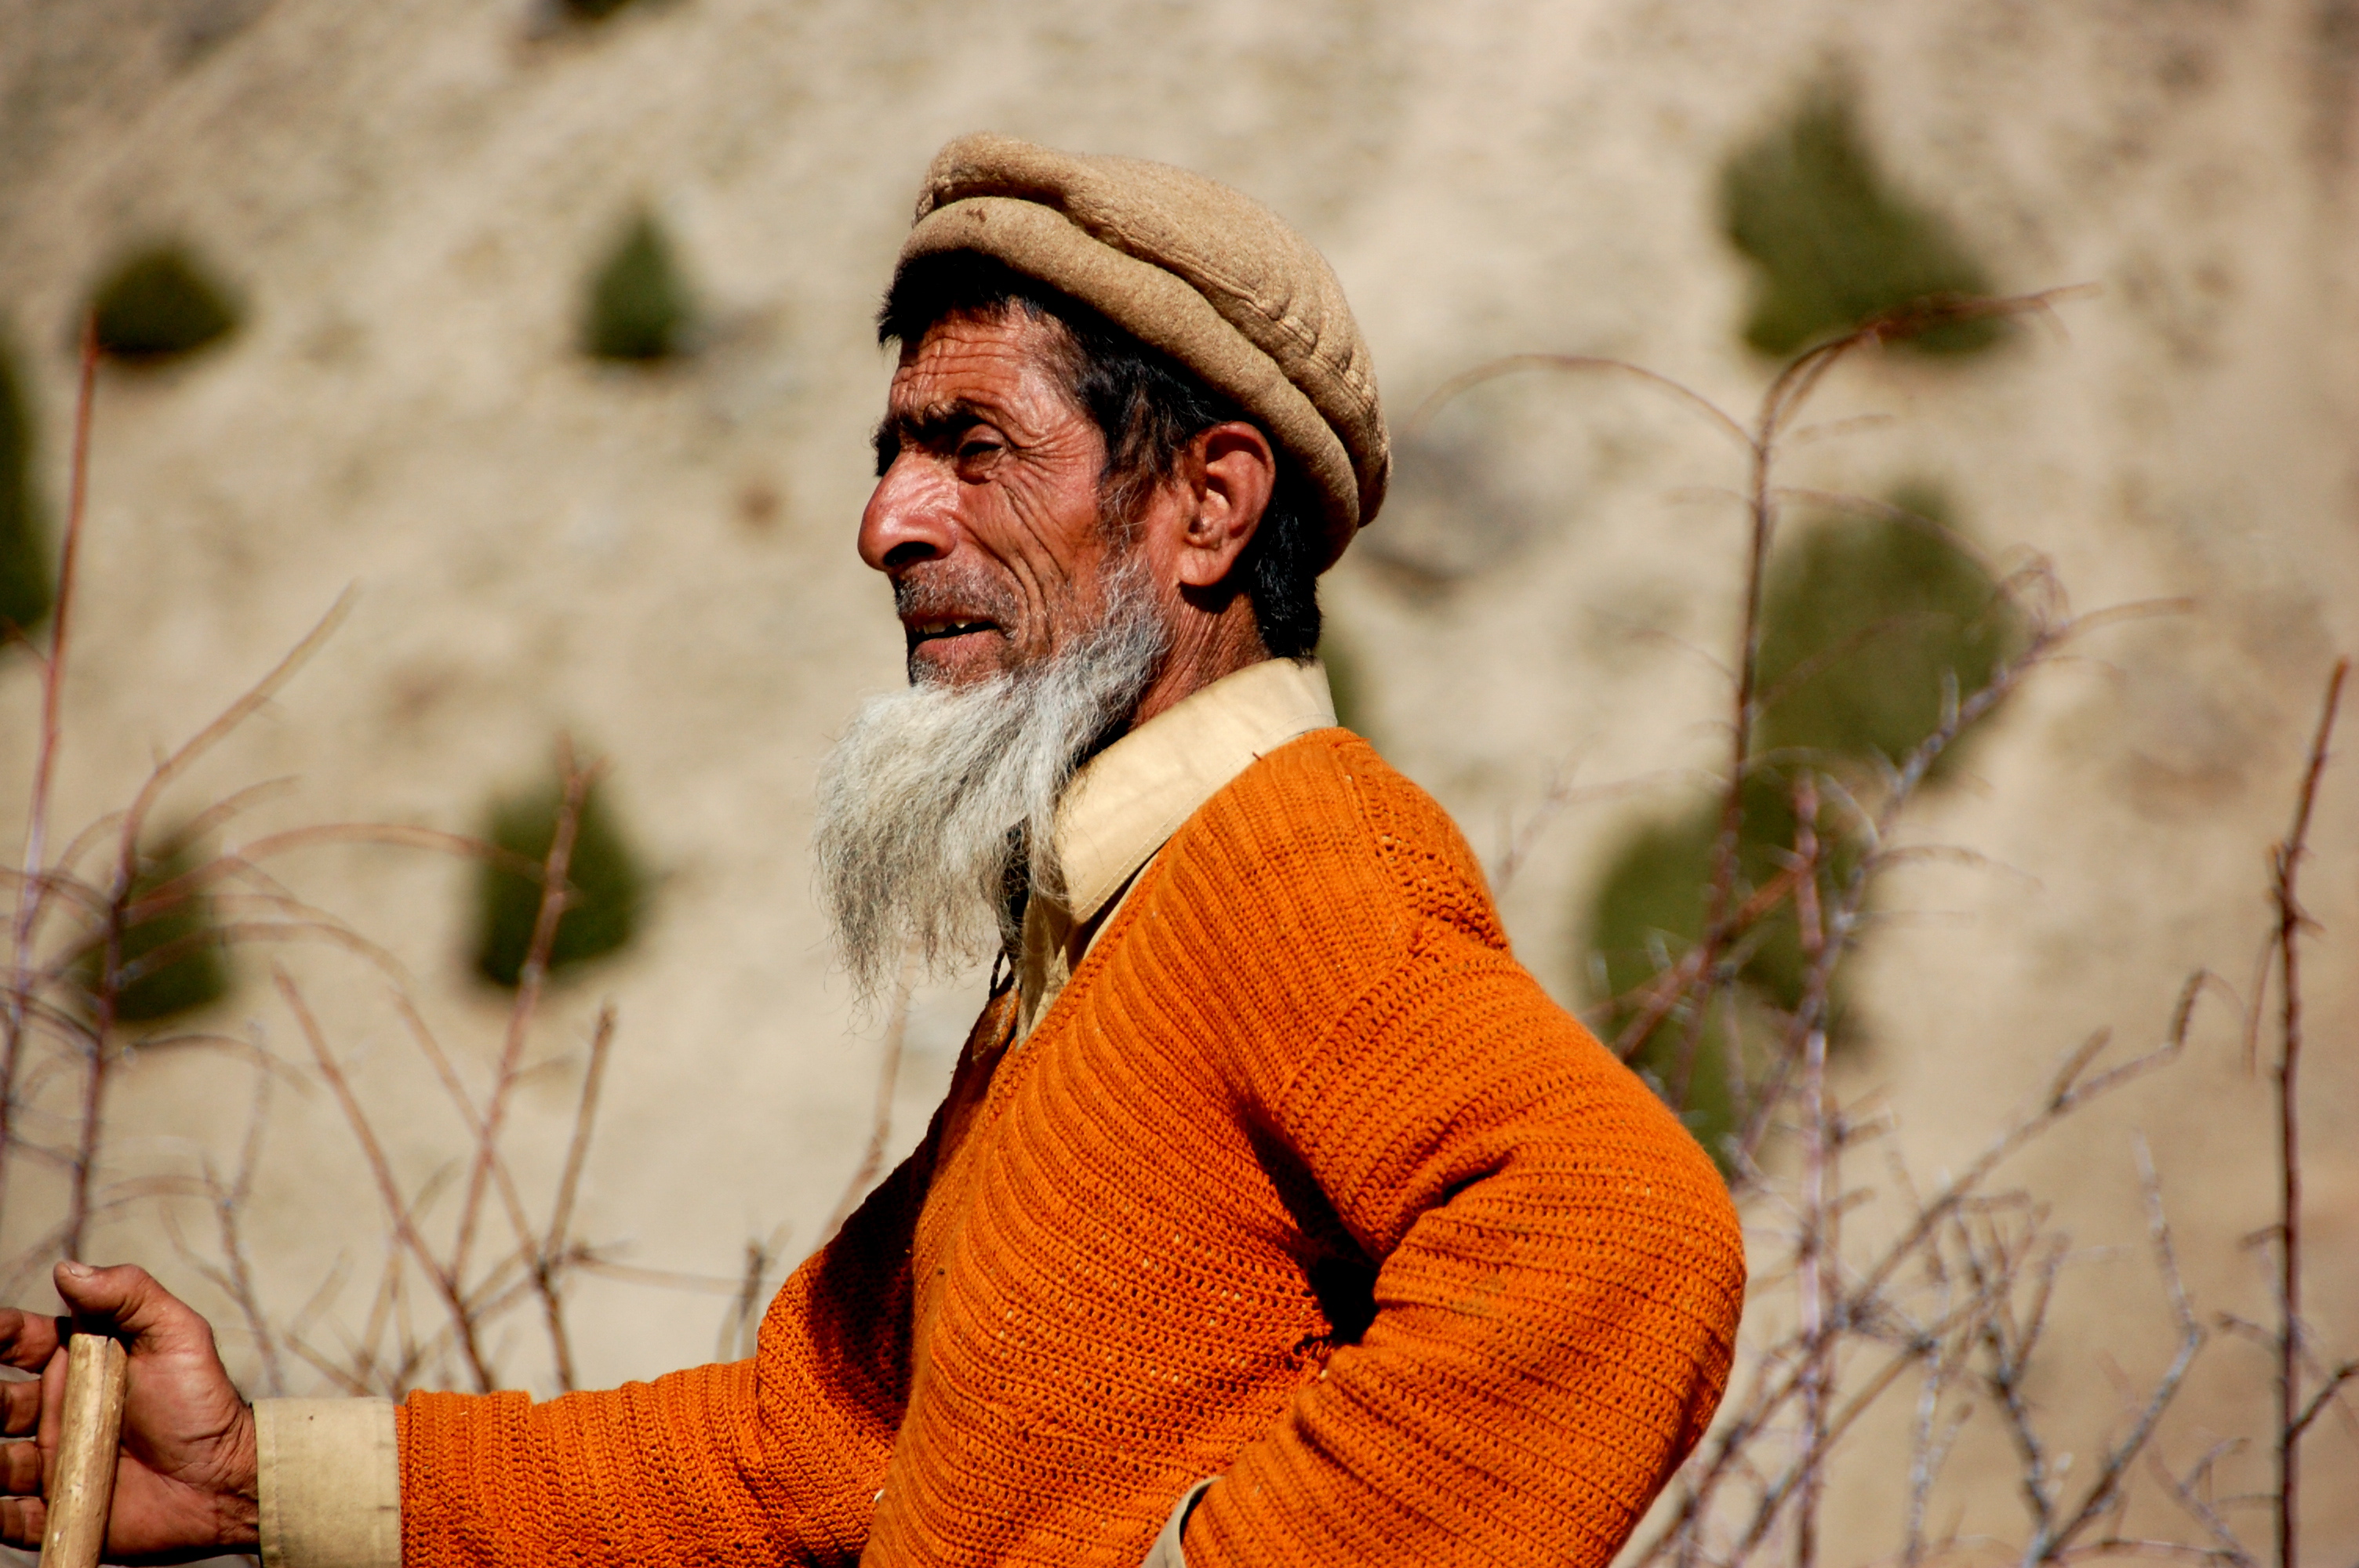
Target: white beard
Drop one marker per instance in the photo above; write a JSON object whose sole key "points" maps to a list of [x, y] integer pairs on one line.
{"points": [[940, 801]]}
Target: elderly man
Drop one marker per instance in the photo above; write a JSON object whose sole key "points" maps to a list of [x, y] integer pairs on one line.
{"points": [[1274, 1216]]}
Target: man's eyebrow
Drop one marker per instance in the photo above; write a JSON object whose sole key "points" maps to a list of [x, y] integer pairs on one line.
{"points": [[933, 424]]}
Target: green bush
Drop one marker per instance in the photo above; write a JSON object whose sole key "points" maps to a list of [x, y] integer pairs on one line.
{"points": [[1863, 618], [592, 10], [1648, 910], [1862, 621], [172, 961], [158, 303], [639, 307], [27, 574], [1833, 242], [1644, 913], [609, 889]]}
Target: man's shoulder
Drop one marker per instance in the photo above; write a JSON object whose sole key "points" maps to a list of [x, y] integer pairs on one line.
{"points": [[1325, 817]]}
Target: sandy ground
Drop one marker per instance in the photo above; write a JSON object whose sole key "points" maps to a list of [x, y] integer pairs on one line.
{"points": [[409, 197]]}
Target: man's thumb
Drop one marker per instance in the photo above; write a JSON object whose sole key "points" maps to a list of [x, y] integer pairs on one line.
{"points": [[114, 1298]]}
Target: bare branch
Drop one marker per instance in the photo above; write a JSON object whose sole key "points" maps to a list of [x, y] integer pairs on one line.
{"points": [[553, 1247], [2104, 1491], [404, 1230], [37, 815], [247, 705], [577, 781], [2287, 868], [1466, 380]]}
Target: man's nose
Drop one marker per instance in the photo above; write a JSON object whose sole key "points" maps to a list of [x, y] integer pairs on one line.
{"points": [[910, 517]]}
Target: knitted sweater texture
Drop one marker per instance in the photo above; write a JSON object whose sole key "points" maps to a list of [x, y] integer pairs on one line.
{"points": [[1303, 1182]]}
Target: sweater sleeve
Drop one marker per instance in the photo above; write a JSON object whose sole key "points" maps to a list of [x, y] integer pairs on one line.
{"points": [[778, 1459], [1558, 1279]]}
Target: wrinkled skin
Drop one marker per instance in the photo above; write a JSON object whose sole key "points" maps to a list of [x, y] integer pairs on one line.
{"points": [[986, 518]]}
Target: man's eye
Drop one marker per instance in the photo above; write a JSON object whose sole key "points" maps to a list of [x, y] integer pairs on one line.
{"points": [[976, 455]]}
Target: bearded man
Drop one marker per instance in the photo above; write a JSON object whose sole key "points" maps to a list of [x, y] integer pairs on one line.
{"points": [[1274, 1215]]}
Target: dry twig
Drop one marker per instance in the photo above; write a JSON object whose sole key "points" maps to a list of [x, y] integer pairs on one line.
{"points": [[31, 888], [2294, 1415]]}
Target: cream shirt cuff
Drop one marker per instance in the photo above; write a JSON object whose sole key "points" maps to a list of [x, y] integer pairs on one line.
{"points": [[1165, 1552], [331, 1483]]}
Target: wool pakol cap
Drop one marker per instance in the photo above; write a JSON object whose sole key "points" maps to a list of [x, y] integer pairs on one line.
{"points": [[1186, 265]]}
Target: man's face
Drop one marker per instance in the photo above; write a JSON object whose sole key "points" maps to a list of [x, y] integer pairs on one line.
{"points": [[987, 510]]}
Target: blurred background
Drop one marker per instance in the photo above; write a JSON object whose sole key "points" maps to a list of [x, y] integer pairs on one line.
{"points": [[545, 330]]}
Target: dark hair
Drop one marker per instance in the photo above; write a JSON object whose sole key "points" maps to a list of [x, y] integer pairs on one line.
{"points": [[1149, 406]]}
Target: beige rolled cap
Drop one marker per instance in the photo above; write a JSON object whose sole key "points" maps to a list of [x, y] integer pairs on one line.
{"points": [[1186, 265]]}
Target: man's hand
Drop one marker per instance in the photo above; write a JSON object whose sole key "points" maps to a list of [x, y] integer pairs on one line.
{"points": [[185, 1485]]}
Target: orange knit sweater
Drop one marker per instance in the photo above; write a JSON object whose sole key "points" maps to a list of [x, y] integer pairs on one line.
{"points": [[1303, 1182]]}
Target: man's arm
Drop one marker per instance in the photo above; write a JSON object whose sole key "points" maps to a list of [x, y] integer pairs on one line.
{"points": [[1559, 1279], [778, 1458], [779, 1455]]}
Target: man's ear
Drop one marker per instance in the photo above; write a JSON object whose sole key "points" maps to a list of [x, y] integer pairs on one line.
{"points": [[1230, 473]]}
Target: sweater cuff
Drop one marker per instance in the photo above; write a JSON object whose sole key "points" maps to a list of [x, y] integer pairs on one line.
{"points": [[331, 1483], [1167, 1552]]}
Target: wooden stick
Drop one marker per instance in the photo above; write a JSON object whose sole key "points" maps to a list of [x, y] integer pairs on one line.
{"points": [[82, 1489]]}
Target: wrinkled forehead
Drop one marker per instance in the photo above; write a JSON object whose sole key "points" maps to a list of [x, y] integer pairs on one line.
{"points": [[1004, 366], [1004, 342]]}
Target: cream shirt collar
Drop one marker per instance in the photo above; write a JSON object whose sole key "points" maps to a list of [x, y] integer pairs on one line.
{"points": [[1127, 800]]}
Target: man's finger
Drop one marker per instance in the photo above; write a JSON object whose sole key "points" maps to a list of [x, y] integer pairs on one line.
{"points": [[21, 1521], [127, 1301], [53, 1400], [20, 1469], [20, 1408], [27, 1339]]}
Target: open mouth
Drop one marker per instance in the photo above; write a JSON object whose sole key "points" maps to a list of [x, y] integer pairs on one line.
{"points": [[936, 631]]}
